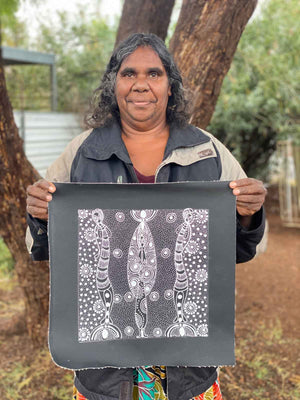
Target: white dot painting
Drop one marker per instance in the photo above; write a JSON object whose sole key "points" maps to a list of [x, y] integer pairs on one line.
{"points": [[89, 235], [190, 307], [192, 247], [82, 214], [84, 334], [142, 273], [165, 253], [202, 330], [98, 306], [86, 270], [128, 297], [118, 253], [129, 331], [157, 332], [168, 295], [154, 296], [171, 217], [201, 275], [120, 216], [117, 298]]}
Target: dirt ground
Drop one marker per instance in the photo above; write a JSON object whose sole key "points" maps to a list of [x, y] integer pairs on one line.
{"points": [[267, 324], [267, 321]]}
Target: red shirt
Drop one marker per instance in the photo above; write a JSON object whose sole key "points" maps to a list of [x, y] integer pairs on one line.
{"points": [[143, 178]]}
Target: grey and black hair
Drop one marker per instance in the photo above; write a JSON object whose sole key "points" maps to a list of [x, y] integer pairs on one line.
{"points": [[104, 104]]}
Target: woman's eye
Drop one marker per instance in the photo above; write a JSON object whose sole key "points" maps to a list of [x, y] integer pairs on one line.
{"points": [[153, 74], [127, 74]]}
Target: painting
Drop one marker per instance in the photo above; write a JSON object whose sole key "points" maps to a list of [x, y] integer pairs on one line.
{"points": [[142, 273], [149, 271]]}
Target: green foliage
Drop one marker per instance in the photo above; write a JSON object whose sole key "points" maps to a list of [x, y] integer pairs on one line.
{"points": [[259, 102], [6, 261], [8, 7], [81, 43], [173, 21]]}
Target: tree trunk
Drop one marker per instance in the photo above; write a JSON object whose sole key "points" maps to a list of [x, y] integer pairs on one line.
{"points": [[147, 16], [16, 173], [203, 45]]}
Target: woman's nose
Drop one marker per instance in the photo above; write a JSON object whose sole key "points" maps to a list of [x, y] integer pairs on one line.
{"points": [[140, 85]]}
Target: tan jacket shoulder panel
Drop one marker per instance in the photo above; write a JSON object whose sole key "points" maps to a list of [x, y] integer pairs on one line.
{"points": [[189, 155], [231, 168], [60, 170]]}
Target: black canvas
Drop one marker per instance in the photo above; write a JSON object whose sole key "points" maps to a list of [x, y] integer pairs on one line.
{"points": [[142, 274]]}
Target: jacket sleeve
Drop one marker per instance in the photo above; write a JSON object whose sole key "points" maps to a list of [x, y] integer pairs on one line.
{"points": [[59, 171], [37, 238], [247, 240]]}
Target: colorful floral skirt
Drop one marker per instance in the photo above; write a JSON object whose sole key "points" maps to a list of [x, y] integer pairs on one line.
{"points": [[150, 384]]}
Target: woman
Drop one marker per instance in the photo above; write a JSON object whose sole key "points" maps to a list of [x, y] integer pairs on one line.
{"points": [[141, 134]]}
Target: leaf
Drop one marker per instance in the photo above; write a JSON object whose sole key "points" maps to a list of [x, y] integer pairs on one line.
{"points": [[8, 7]]}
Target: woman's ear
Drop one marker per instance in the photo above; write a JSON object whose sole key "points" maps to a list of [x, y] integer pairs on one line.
{"points": [[169, 91]]}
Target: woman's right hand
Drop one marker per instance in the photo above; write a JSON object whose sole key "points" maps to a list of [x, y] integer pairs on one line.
{"points": [[38, 197]]}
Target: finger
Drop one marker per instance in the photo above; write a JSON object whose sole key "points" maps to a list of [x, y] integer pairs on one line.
{"points": [[243, 182], [45, 185], [37, 212], [250, 207], [250, 198], [32, 201], [39, 193], [255, 206], [245, 213], [249, 190]]}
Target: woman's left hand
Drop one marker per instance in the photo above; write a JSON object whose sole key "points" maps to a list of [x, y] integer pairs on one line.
{"points": [[250, 195]]}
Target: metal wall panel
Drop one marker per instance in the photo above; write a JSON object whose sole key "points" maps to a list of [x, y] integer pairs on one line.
{"points": [[46, 135]]}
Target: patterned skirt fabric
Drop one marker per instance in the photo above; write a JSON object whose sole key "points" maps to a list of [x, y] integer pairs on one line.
{"points": [[150, 384]]}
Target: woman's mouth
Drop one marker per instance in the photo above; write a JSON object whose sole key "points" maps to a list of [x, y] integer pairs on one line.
{"points": [[140, 103]]}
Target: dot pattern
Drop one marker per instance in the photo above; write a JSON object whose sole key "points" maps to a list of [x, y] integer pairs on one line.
{"points": [[165, 253], [120, 216], [117, 253], [171, 217], [154, 296]]}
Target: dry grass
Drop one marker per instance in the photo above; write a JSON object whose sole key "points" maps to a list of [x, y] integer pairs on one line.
{"points": [[266, 366]]}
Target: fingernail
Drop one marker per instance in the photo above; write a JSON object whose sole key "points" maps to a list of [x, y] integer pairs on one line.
{"points": [[49, 197], [236, 191], [51, 189]]}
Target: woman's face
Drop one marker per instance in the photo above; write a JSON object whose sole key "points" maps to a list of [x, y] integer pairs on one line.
{"points": [[142, 89]]}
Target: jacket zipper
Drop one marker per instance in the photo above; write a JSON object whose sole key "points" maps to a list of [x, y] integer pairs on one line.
{"points": [[158, 169], [132, 173]]}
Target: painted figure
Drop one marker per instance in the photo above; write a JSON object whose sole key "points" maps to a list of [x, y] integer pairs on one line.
{"points": [[181, 327], [106, 330], [142, 265]]}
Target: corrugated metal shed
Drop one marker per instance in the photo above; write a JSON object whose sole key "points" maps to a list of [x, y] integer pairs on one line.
{"points": [[46, 135]]}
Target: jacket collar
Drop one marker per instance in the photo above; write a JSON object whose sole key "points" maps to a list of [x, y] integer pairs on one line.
{"points": [[103, 142], [188, 136], [106, 141]]}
